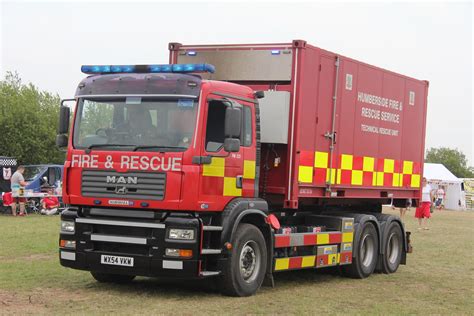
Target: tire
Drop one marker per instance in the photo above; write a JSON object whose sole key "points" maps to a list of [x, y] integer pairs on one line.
{"points": [[392, 249], [366, 254], [112, 278], [245, 269]]}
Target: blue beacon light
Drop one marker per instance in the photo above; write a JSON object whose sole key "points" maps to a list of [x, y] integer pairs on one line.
{"points": [[168, 68]]}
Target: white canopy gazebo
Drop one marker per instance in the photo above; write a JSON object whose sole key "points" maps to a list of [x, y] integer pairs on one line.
{"points": [[438, 175]]}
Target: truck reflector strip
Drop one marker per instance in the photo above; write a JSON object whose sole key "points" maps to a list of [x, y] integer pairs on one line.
{"points": [[311, 239], [358, 170], [318, 249], [318, 261]]}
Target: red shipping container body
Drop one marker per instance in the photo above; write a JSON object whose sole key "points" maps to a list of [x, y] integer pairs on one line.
{"points": [[373, 119]]}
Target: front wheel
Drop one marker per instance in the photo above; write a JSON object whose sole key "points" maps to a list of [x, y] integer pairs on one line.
{"points": [[245, 268], [366, 253], [112, 278]]}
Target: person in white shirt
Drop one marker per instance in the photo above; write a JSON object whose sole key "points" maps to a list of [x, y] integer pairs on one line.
{"points": [[17, 180], [440, 195], [423, 210]]}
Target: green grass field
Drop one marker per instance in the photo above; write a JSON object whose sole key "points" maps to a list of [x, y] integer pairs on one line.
{"points": [[438, 279]]}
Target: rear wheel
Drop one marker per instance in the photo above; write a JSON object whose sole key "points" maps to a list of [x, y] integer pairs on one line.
{"points": [[112, 278], [245, 269], [366, 252], [392, 249]]}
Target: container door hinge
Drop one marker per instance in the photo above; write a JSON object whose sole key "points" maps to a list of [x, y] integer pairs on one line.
{"points": [[331, 136]]}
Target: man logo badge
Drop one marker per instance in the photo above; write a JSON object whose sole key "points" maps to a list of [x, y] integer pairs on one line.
{"points": [[121, 180]]}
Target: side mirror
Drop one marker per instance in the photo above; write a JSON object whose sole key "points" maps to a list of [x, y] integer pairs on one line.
{"points": [[233, 122], [231, 145], [61, 140], [259, 94], [64, 113]]}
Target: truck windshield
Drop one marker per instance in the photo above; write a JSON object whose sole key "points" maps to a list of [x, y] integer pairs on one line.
{"points": [[135, 123], [31, 172]]}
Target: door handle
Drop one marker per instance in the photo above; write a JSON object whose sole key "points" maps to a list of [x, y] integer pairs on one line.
{"points": [[238, 182]]}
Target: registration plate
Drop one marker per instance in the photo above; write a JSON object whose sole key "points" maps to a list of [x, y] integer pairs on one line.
{"points": [[116, 260]]}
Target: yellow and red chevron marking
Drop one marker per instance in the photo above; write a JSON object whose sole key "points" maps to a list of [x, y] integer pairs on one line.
{"points": [[311, 239], [294, 263], [291, 263], [314, 168], [222, 173]]}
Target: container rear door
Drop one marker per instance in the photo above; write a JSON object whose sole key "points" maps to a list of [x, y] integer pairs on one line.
{"points": [[324, 123]]}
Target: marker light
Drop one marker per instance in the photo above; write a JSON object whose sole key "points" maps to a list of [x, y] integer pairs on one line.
{"points": [[275, 52], [183, 253], [176, 68], [192, 53], [67, 244]]}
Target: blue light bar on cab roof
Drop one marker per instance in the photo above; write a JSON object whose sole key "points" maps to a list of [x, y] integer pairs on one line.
{"points": [[174, 68]]}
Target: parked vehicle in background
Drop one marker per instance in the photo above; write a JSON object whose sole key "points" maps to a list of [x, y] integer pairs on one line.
{"points": [[278, 158], [38, 176]]}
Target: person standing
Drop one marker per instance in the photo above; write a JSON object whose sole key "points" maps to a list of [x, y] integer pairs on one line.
{"points": [[403, 210], [440, 195], [17, 180], [423, 210]]}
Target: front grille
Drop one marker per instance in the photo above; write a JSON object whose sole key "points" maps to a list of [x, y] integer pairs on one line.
{"points": [[131, 185]]}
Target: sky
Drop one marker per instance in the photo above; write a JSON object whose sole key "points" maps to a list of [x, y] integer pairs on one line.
{"points": [[47, 42]]}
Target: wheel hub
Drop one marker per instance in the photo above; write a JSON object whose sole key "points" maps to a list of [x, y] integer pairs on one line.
{"points": [[393, 248], [249, 262], [367, 250]]}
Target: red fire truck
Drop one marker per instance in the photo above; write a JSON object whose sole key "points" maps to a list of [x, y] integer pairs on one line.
{"points": [[238, 162]]}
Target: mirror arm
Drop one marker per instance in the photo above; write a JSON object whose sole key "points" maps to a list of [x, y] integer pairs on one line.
{"points": [[66, 100]]}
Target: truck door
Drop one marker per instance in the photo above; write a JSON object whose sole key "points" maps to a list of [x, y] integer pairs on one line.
{"points": [[228, 175], [324, 122]]}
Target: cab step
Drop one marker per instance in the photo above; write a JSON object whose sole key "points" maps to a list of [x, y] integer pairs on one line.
{"points": [[212, 228], [211, 251], [209, 273]]}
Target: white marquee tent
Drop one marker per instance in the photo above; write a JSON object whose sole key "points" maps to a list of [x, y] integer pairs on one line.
{"points": [[438, 175]]}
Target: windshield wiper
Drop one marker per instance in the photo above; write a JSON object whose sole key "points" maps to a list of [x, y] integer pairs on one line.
{"points": [[106, 145], [157, 147]]}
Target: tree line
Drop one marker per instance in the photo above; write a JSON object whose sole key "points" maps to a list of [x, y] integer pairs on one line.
{"points": [[28, 122], [453, 159], [29, 119]]}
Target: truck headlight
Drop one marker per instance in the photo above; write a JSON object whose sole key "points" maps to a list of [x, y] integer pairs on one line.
{"points": [[181, 234], [67, 227]]}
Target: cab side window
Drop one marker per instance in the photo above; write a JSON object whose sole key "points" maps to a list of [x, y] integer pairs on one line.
{"points": [[247, 126], [215, 126]]}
